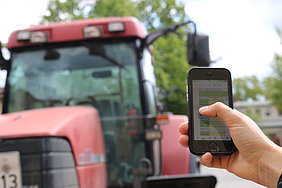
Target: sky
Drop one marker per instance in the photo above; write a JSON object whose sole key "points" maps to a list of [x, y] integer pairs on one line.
{"points": [[241, 32]]}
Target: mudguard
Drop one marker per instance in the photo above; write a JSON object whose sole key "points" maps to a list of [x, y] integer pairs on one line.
{"points": [[175, 158]]}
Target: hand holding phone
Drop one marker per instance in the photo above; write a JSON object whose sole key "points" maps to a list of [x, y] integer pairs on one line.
{"points": [[205, 87]]}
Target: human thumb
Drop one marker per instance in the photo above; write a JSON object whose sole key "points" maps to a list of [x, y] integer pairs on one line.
{"points": [[219, 110]]}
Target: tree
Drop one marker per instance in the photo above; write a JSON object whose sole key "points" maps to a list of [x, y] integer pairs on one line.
{"points": [[273, 83], [170, 57], [63, 11], [247, 88], [171, 70], [156, 14], [111, 8]]}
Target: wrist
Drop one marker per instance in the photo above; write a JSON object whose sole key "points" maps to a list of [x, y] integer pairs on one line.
{"points": [[270, 166]]}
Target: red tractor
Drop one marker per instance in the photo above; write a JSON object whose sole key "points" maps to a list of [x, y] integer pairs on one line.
{"points": [[80, 108]]}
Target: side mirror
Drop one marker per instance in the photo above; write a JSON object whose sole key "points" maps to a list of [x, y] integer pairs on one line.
{"points": [[181, 181], [4, 64], [198, 50]]}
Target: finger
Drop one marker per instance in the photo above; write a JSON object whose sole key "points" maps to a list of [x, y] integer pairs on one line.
{"points": [[183, 140], [219, 110], [183, 128]]}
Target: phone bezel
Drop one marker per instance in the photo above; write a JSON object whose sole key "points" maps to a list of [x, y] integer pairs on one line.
{"points": [[199, 147]]}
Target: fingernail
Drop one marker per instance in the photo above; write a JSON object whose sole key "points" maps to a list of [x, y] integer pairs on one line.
{"points": [[203, 108]]}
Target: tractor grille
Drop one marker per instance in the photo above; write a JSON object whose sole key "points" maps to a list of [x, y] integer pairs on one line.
{"points": [[46, 162]]}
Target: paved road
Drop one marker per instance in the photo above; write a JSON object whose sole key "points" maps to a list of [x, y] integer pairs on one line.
{"points": [[226, 179]]}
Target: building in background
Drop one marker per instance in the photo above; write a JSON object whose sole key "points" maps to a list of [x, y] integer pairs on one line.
{"points": [[266, 115]]}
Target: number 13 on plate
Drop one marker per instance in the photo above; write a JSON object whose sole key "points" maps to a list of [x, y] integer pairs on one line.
{"points": [[10, 170]]}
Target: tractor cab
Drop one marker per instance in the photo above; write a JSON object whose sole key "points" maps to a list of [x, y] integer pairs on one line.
{"points": [[102, 63], [101, 74]]}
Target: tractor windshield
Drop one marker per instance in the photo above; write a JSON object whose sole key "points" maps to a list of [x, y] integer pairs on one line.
{"points": [[87, 74], [99, 74]]}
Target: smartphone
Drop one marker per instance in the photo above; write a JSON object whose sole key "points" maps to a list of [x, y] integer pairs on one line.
{"points": [[208, 134]]}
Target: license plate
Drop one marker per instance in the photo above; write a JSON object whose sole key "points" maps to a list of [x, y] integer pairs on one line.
{"points": [[10, 170]]}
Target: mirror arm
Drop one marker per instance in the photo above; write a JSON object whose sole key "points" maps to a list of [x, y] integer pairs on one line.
{"points": [[151, 37]]}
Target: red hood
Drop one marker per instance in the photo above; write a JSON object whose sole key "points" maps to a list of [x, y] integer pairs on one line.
{"points": [[80, 125], [41, 122]]}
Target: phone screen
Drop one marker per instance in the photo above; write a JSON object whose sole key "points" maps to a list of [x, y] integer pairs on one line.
{"points": [[207, 92]]}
